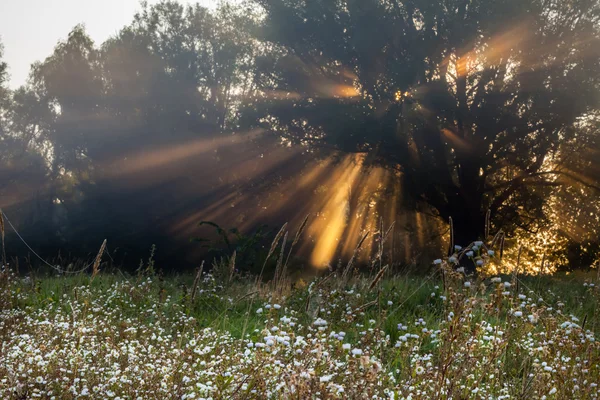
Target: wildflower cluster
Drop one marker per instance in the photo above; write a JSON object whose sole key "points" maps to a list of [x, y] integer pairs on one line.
{"points": [[461, 337]]}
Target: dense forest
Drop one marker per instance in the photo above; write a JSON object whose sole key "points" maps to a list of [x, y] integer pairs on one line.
{"points": [[367, 116]]}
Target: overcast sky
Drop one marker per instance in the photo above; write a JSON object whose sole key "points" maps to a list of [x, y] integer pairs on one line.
{"points": [[29, 29]]}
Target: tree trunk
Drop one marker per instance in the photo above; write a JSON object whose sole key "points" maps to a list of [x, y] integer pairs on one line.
{"points": [[469, 226]]}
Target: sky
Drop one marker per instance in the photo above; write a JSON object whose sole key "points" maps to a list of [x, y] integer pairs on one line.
{"points": [[29, 29]]}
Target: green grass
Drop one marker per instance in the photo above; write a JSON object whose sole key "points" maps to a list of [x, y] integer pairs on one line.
{"points": [[455, 353], [220, 307]]}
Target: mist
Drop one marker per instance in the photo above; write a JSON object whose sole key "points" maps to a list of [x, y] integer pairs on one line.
{"points": [[201, 131]]}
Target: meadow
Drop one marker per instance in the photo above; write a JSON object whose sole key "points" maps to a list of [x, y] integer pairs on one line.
{"points": [[201, 126], [224, 335]]}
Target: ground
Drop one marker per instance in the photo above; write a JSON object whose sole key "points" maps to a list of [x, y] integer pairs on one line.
{"points": [[404, 337]]}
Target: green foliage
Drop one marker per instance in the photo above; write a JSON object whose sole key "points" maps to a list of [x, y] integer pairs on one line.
{"points": [[3, 79], [148, 269], [471, 101]]}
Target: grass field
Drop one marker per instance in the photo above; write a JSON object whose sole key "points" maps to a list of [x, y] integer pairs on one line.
{"points": [[194, 337]]}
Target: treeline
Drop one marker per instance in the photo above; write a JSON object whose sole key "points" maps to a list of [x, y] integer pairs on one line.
{"points": [[174, 74], [467, 108]]}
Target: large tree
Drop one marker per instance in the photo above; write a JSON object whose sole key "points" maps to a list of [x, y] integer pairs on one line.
{"points": [[63, 100], [3, 111], [469, 100], [172, 74], [179, 66], [170, 78], [20, 168]]}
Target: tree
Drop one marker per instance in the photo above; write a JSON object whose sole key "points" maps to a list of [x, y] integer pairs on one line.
{"points": [[171, 77], [18, 165], [576, 206], [180, 65], [3, 88], [469, 100], [3, 111], [68, 87]]}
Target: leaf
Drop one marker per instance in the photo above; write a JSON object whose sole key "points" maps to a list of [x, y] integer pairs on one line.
{"points": [[211, 224], [220, 231]]}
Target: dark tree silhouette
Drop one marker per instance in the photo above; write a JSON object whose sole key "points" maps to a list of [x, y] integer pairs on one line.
{"points": [[171, 77], [469, 100], [69, 84], [3, 89], [19, 162], [475, 105]]}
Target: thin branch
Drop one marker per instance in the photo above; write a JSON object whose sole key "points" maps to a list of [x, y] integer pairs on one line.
{"points": [[521, 181]]}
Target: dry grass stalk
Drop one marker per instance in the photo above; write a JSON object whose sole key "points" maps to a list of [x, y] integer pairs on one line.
{"points": [[309, 298], [385, 237], [285, 286], [487, 223], [313, 304], [2, 235], [306, 306], [247, 295], [543, 267], [443, 270], [382, 238], [451, 245], [362, 241], [367, 305], [262, 270], [387, 233], [297, 238], [197, 281], [279, 273], [497, 237], [281, 270], [275, 242], [378, 277], [322, 282], [272, 249], [300, 230], [232, 266], [96, 266], [515, 277], [348, 268]]}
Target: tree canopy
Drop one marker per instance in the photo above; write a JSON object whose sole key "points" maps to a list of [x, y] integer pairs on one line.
{"points": [[472, 106], [3, 89], [470, 100]]}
